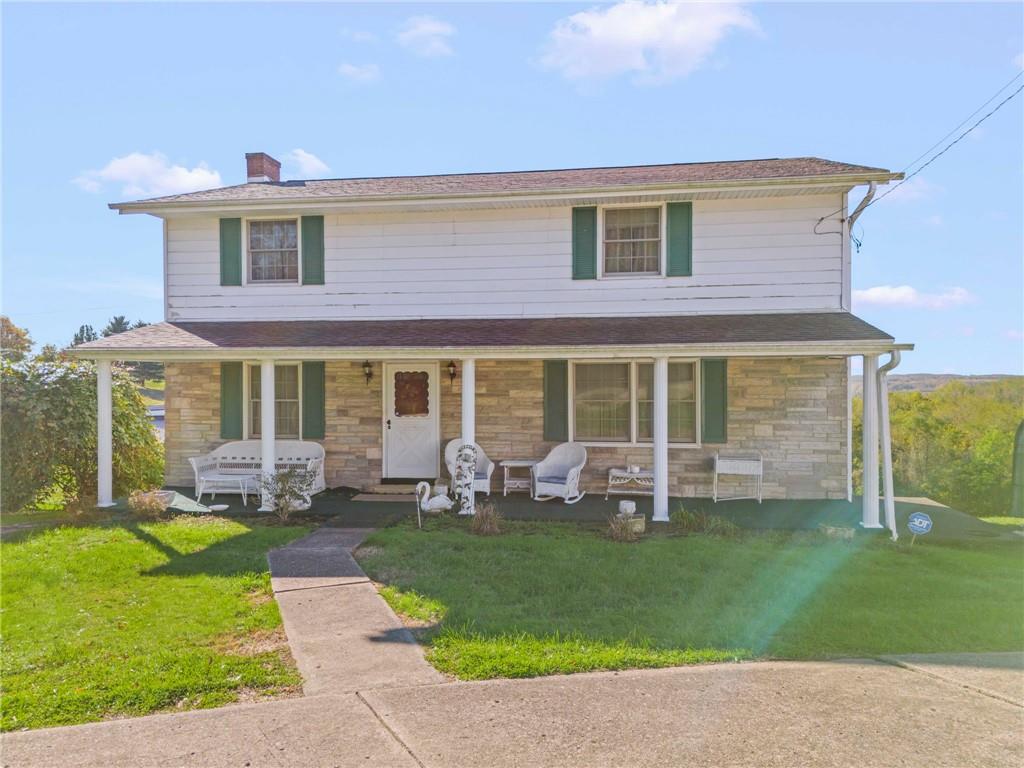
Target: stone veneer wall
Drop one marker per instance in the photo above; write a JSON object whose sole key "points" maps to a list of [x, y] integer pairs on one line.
{"points": [[793, 410]]}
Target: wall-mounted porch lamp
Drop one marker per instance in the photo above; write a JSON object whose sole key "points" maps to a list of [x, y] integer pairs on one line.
{"points": [[367, 371], [452, 372]]}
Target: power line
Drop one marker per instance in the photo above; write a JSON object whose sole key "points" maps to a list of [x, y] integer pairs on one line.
{"points": [[937, 155]]}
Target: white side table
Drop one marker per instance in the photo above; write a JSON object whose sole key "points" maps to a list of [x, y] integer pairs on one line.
{"points": [[516, 482], [622, 482]]}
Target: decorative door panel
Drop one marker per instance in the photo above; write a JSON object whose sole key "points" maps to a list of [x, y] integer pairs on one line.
{"points": [[411, 423]]}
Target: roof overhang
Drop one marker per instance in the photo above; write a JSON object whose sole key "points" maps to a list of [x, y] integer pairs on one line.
{"points": [[802, 185], [589, 352]]}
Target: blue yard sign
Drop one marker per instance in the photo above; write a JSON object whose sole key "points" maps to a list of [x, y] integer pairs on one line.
{"points": [[919, 523]]}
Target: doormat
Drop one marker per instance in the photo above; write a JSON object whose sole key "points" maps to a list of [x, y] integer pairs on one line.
{"points": [[383, 497]]}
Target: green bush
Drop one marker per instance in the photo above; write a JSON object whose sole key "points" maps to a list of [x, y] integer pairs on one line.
{"points": [[49, 433], [690, 521]]}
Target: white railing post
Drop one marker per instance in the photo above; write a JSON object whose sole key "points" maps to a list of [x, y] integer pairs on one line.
{"points": [[268, 426], [660, 429], [468, 401], [869, 507], [104, 435]]}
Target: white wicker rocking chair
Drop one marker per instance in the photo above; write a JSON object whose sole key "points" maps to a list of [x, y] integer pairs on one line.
{"points": [[558, 475]]}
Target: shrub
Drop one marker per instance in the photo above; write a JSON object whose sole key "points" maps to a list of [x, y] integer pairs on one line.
{"points": [[690, 521], [620, 528], [288, 490], [148, 504], [720, 526], [49, 433], [486, 521]]}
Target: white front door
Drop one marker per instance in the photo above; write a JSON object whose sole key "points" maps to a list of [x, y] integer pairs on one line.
{"points": [[412, 433]]}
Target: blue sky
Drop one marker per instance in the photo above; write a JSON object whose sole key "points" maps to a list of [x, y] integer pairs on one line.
{"points": [[108, 102]]}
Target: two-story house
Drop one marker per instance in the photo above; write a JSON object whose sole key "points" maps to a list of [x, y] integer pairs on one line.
{"points": [[656, 314]]}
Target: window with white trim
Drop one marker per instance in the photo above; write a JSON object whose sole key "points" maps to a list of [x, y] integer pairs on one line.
{"points": [[274, 251], [632, 241], [613, 402], [286, 401]]}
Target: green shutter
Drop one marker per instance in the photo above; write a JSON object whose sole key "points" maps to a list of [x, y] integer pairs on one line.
{"points": [[680, 239], [312, 400], [584, 243], [230, 251], [556, 400], [715, 401], [231, 401], [312, 250]]}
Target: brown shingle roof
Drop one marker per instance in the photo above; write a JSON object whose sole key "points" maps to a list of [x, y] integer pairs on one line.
{"points": [[554, 181], [510, 332]]}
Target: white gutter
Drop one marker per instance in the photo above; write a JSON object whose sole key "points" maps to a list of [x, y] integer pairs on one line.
{"points": [[484, 198], [883, 418], [631, 351], [868, 197]]}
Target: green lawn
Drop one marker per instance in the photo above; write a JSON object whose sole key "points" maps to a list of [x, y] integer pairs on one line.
{"points": [[116, 620], [553, 598]]}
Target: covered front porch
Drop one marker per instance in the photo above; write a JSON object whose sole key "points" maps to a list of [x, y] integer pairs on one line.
{"points": [[691, 387]]}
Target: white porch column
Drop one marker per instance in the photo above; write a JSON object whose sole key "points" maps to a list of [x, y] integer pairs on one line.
{"points": [[888, 493], [468, 401], [104, 435], [268, 424], [869, 513], [660, 428]]}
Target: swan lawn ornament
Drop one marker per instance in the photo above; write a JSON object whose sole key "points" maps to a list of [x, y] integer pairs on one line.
{"points": [[425, 503]]}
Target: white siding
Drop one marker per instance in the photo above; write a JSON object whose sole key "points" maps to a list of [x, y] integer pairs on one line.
{"points": [[749, 255]]}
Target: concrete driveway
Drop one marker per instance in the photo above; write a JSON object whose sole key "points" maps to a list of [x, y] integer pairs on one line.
{"points": [[926, 711]]}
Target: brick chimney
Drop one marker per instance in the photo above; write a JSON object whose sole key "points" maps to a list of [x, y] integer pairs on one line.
{"points": [[259, 166]]}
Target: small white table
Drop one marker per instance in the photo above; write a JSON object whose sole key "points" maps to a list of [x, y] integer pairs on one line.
{"points": [[622, 482], [745, 465], [516, 482]]}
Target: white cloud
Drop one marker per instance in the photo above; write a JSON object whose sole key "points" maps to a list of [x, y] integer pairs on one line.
{"points": [[1018, 60], [358, 35], [657, 42], [308, 164], [908, 296], [140, 287], [1014, 334], [918, 188], [426, 36], [359, 73], [152, 174]]}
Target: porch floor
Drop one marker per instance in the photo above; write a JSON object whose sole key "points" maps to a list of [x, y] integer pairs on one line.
{"points": [[336, 508]]}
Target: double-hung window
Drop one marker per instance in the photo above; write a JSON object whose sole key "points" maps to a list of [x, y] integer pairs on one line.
{"points": [[273, 251], [613, 402], [286, 401], [632, 241]]}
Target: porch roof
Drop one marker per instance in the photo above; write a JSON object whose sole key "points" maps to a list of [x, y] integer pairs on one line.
{"points": [[795, 333]]}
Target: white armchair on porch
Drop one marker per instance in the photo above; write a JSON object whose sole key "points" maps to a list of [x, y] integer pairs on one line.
{"points": [[558, 475], [484, 466]]}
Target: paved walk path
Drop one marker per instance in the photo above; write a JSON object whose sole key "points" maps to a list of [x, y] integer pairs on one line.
{"points": [[343, 636], [844, 713]]}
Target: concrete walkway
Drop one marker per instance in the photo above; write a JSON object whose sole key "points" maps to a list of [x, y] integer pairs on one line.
{"points": [[343, 636], [846, 713]]}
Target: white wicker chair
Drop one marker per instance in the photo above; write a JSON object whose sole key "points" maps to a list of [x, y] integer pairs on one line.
{"points": [[484, 466], [558, 475]]}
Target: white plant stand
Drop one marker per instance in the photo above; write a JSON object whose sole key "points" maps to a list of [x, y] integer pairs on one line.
{"points": [[513, 483], [622, 482], [745, 465]]}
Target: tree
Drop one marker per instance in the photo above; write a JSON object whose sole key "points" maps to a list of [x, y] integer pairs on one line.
{"points": [[49, 433], [15, 343], [85, 333], [117, 324]]}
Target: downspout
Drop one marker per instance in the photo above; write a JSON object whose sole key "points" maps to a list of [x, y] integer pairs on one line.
{"points": [[883, 418], [868, 197]]}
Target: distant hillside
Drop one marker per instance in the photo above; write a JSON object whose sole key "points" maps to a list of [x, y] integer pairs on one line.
{"points": [[929, 382]]}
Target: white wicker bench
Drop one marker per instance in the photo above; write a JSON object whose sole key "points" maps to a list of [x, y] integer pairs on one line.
{"points": [[749, 465], [236, 466]]}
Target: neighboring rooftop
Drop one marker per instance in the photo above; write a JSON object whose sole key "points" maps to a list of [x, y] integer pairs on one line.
{"points": [[501, 332], [568, 180]]}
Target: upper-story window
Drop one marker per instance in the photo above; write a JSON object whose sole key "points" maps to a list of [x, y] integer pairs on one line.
{"points": [[632, 241], [274, 251]]}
